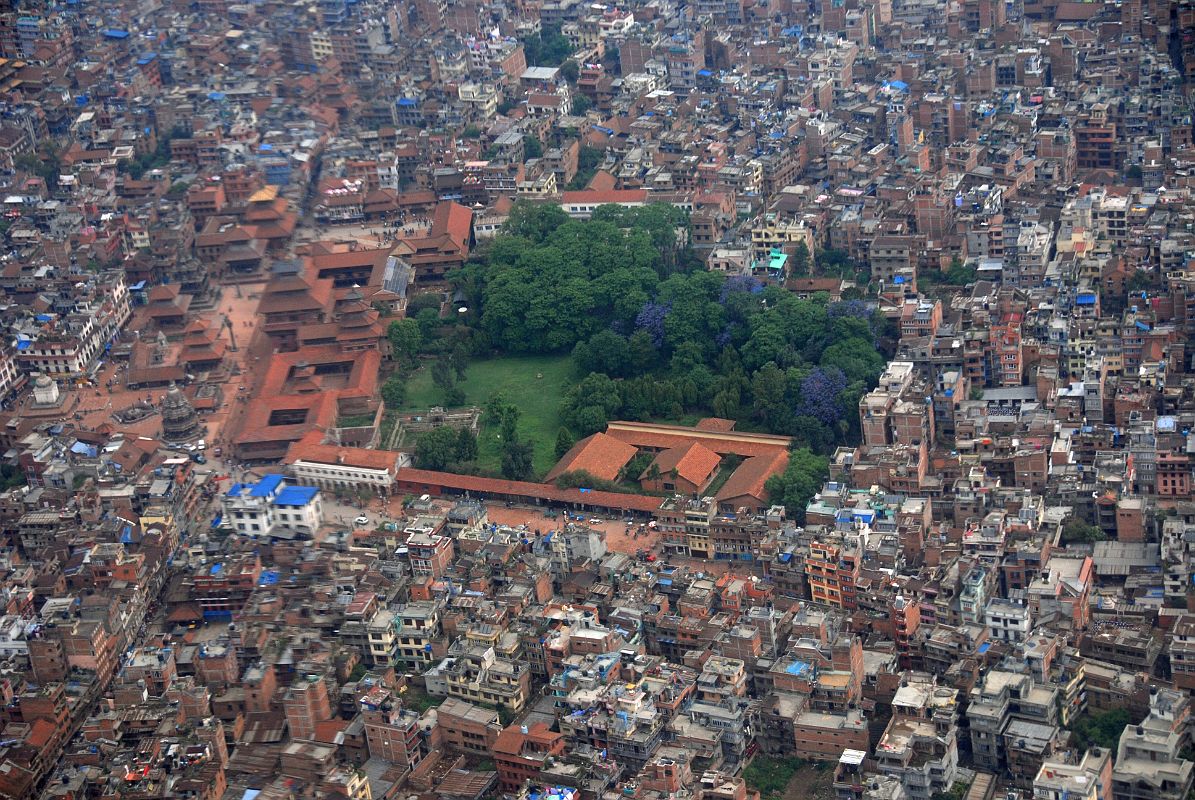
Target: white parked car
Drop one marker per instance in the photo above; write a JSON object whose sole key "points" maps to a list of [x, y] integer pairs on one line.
{"points": [[361, 522]]}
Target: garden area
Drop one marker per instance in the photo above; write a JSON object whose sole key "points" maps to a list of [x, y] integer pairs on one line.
{"points": [[533, 384], [789, 779]]}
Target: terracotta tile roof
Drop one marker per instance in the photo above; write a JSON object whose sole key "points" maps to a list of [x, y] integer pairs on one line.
{"points": [[454, 221], [314, 451], [420, 480], [715, 424], [749, 479], [602, 181], [255, 425], [663, 437], [600, 455], [693, 462], [815, 285]]}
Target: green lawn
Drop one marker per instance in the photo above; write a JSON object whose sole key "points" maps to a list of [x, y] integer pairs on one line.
{"points": [[535, 384]]}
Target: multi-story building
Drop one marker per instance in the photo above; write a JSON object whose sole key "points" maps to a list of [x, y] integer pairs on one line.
{"points": [[1001, 699], [270, 507], [833, 569], [1148, 765], [476, 674], [920, 745]]}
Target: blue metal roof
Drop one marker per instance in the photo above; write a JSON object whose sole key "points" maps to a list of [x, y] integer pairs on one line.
{"points": [[265, 486], [296, 496], [113, 33]]}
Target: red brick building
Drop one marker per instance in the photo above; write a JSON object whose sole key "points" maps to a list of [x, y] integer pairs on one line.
{"points": [[520, 752]]}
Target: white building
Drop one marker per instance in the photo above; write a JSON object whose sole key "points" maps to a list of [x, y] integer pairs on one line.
{"points": [[334, 467], [12, 636], [1009, 620], [271, 508]]}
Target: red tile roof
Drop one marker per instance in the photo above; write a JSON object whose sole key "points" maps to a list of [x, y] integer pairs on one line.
{"points": [[715, 424], [421, 480], [663, 437], [307, 450], [693, 462], [454, 221], [749, 479], [600, 455]]}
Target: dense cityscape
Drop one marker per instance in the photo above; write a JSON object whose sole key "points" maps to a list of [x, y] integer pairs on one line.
{"points": [[667, 400]]}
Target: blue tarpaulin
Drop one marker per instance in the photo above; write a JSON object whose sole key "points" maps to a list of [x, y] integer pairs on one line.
{"points": [[218, 519], [113, 33], [797, 668]]}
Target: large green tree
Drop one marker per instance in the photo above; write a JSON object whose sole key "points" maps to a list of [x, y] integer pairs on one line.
{"points": [[436, 449], [800, 481], [406, 338]]}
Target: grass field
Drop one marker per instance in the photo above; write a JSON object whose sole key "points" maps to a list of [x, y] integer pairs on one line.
{"points": [[535, 384]]}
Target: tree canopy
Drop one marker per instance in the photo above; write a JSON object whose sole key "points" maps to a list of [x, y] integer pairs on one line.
{"points": [[548, 48]]}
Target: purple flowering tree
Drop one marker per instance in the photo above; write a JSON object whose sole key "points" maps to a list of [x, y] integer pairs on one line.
{"points": [[739, 283], [651, 319], [819, 394], [850, 308]]}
